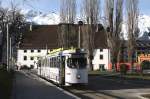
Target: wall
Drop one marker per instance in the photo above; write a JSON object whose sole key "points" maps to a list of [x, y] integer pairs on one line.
{"points": [[29, 54]]}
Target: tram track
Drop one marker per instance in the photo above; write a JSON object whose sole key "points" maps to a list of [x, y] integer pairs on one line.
{"points": [[108, 90], [78, 91]]}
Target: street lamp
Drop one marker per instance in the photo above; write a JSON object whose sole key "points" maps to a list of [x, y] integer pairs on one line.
{"points": [[10, 53], [8, 40], [79, 35]]}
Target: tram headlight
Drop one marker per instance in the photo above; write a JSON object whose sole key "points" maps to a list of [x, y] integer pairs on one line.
{"points": [[78, 76]]}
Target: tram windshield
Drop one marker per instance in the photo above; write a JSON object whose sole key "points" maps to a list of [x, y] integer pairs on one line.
{"points": [[77, 63]]}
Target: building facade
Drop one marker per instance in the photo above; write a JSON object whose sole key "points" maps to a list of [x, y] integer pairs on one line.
{"points": [[29, 57], [101, 60]]}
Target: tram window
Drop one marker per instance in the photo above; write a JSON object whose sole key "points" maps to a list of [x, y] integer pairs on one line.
{"points": [[45, 62], [58, 61], [39, 63], [77, 62], [55, 62], [50, 62]]}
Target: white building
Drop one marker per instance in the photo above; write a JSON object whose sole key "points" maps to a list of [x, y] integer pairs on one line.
{"points": [[101, 59], [29, 57], [35, 44]]}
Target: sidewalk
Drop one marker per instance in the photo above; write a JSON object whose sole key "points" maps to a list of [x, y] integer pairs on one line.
{"points": [[31, 87]]}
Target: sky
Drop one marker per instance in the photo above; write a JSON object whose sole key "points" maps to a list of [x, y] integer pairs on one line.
{"points": [[53, 5]]}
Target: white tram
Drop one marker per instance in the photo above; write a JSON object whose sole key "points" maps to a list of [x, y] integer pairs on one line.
{"points": [[64, 67]]}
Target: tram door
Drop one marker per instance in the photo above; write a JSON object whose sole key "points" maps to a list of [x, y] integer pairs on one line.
{"points": [[62, 71]]}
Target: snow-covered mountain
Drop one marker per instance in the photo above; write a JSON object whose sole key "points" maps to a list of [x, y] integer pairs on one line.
{"points": [[53, 18], [42, 18], [143, 24]]}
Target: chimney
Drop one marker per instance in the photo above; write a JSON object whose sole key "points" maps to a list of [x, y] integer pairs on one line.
{"points": [[31, 26]]}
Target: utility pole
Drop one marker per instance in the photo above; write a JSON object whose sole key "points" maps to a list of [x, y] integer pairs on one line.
{"points": [[79, 34], [10, 54], [7, 47]]}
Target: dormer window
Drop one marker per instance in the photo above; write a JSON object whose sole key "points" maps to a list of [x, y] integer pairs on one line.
{"points": [[101, 50]]}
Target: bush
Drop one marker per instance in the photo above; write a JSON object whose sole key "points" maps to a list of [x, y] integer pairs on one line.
{"points": [[32, 67], [25, 67], [3, 66], [6, 80], [123, 69], [145, 65]]}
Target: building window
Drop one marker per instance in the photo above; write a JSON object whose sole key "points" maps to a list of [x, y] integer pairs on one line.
{"points": [[101, 57], [32, 51], [25, 51], [25, 57], [101, 50], [101, 67], [31, 58], [39, 51]]}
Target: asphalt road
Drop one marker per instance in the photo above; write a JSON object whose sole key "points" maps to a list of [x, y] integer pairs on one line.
{"points": [[110, 87], [31, 87]]}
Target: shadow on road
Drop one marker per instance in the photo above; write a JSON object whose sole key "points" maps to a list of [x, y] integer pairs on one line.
{"points": [[101, 84]]}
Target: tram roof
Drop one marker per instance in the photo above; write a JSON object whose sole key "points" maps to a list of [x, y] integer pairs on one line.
{"points": [[66, 51]]}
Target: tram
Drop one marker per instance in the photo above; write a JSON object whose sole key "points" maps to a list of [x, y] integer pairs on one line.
{"points": [[65, 67]]}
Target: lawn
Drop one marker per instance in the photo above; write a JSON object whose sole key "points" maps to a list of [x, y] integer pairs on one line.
{"points": [[98, 72], [6, 79], [117, 74], [138, 76]]}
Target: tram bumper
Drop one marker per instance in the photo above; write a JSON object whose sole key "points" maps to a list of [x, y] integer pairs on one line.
{"points": [[77, 77]]}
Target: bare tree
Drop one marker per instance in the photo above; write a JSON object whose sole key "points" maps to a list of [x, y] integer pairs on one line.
{"points": [[3, 23], [114, 18], [15, 19], [132, 27], [67, 11], [67, 20], [91, 12]]}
